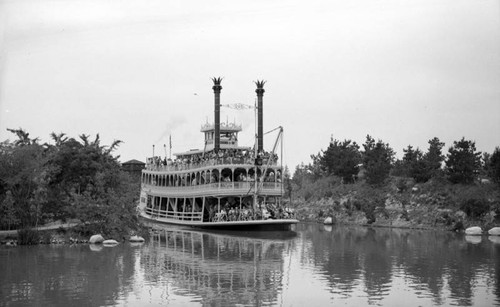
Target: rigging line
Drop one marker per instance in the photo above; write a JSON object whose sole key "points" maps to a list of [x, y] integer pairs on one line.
{"points": [[280, 135], [279, 127], [281, 164]]}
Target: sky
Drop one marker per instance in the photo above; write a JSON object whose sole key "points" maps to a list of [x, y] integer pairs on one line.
{"points": [[403, 72]]}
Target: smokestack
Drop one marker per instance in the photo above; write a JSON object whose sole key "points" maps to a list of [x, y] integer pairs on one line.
{"points": [[217, 88], [260, 120]]}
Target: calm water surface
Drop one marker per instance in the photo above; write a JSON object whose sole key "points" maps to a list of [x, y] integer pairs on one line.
{"points": [[314, 265]]}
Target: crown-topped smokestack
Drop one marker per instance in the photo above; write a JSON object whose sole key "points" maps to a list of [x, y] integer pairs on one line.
{"points": [[260, 120], [217, 88]]}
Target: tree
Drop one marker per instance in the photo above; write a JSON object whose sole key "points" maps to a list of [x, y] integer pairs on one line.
{"points": [[23, 137], [66, 179], [74, 166], [494, 165], [463, 162], [377, 160], [22, 173], [434, 158], [341, 159], [419, 166], [8, 217], [409, 163], [108, 210]]}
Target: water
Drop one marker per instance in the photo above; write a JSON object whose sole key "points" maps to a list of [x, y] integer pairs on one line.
{"points": [[315, 265]]}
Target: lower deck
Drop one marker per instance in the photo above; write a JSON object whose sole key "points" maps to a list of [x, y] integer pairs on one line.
{"points": [[217, 211]]}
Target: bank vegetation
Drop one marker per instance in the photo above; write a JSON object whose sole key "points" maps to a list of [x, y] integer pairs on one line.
{"points": [[366, 185], [66, 179]]}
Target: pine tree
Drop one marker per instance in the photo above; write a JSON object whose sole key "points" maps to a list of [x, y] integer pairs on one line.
{"points": [[463, 163], [341, 159], [377, 160], [494, 165]]}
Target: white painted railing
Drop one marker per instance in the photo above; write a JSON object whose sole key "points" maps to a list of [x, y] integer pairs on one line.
{"points": [[243, 162], [218, 188], [181, 216]]}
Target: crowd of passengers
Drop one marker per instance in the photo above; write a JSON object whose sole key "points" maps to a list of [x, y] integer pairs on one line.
{"points": [[230, 156], [233, 213], [183, 181]]}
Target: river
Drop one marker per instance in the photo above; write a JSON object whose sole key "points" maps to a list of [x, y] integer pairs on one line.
{"points": [[314, 265]]}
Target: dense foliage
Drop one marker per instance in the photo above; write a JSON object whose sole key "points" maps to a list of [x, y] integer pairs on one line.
{"points": [[419, 166], [67, 179], [493, 165], [458, 181], [341, 159]]}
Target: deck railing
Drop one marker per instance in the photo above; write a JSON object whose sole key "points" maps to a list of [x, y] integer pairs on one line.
{"points": [[231, 187], [177, 166], [176, 215]]}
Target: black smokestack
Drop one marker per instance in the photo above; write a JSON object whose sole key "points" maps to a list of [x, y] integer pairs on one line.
{"points": [[217, 88], [260, 117]]}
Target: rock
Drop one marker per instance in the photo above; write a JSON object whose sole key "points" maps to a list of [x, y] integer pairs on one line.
{"points": [[328, 221], [96, 239], [494, 239], [96, 247], [495, 231], [109, 242], [136, 239], [473, 239], [474, 231], [11, 243], [484, 181]]}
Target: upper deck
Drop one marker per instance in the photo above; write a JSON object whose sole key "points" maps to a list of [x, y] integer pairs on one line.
{"points": [[222, 175], [157, 165]]}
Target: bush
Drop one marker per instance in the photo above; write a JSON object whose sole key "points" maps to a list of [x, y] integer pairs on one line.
{"points": [[475, 208], [46, 237], [28, 236]]}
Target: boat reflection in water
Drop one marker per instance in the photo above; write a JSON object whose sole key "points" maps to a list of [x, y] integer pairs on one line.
{"points": [[313, 266], [216, 268]]}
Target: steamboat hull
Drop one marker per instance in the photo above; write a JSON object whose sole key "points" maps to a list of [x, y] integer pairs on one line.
{"points": [[259, 225]]}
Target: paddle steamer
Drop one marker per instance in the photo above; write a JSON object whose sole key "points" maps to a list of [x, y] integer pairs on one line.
{"points": [[223, 186]]}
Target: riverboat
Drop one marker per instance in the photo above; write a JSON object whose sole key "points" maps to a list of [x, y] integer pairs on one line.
{"points": [[223, 186]]}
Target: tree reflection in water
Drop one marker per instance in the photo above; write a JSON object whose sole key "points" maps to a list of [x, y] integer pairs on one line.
{"points": [[317, 265], [425, 261], [61, 275]]}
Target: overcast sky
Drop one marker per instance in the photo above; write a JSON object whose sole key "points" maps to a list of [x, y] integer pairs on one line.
{"points": [[138, 71]]}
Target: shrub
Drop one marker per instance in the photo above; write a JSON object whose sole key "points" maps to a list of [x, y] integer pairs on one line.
{"points": [[28, 236], [45, 237], [475, 208]]}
